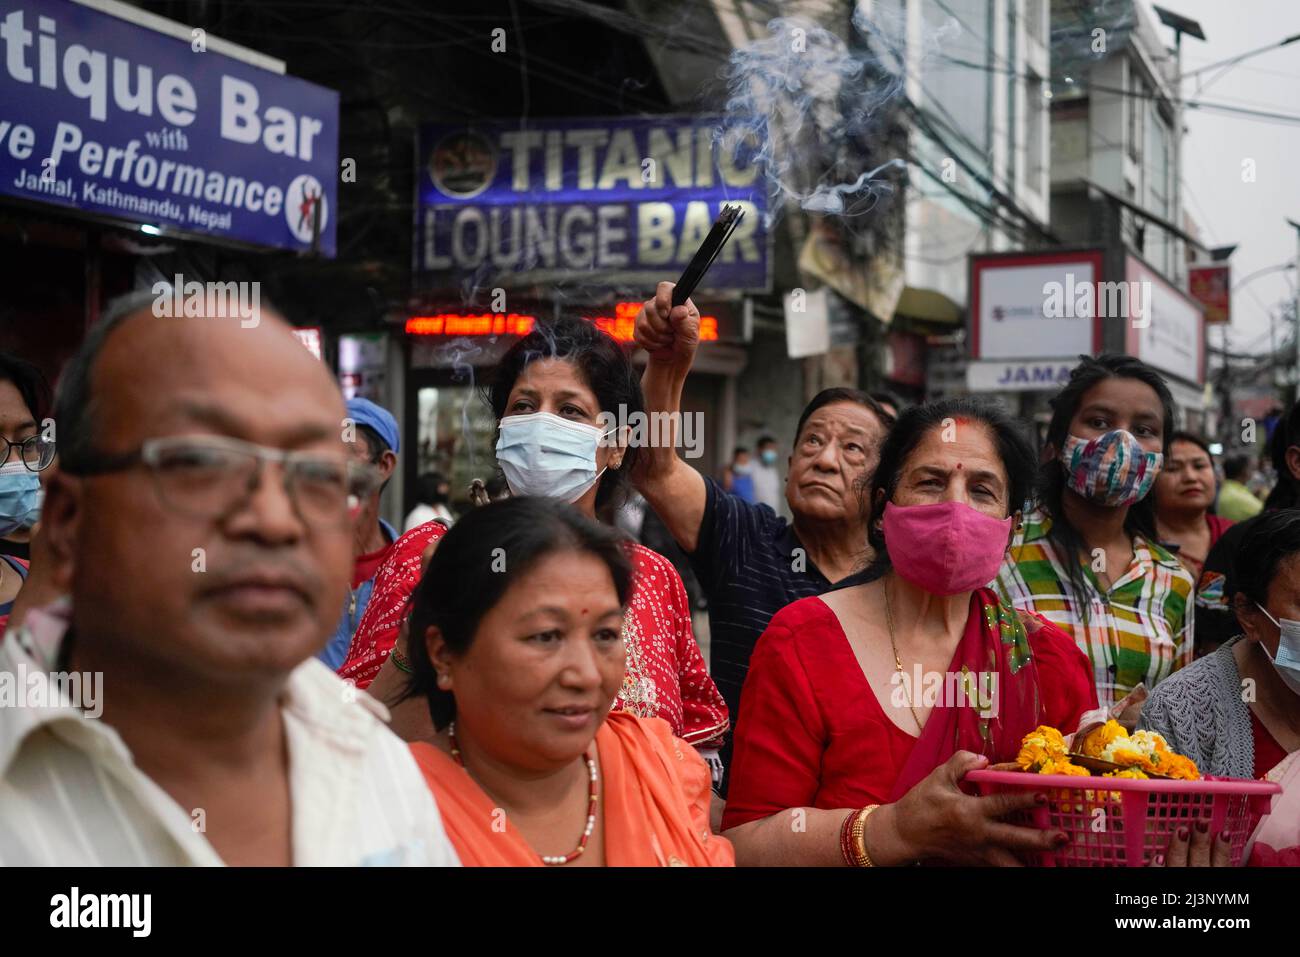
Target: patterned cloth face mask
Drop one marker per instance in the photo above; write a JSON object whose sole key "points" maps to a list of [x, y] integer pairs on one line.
{"points": [[1112, 469]]}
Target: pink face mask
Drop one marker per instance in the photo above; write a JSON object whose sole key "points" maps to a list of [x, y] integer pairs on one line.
{"points": [[946, 548]]}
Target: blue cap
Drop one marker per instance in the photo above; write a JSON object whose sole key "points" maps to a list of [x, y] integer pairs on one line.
{"points": [[364, 412]]}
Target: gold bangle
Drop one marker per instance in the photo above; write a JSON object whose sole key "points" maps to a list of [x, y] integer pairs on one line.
{"points": [[859, 836]]}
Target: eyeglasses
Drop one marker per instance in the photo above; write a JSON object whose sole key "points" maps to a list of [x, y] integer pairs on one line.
{"points": [[35, 452], [211, 476]]}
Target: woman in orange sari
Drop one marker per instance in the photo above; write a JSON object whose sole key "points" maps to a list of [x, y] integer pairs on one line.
{"points": [[516, 644]]}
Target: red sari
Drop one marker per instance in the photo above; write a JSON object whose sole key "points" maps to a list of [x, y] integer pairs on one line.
{"points": [[666, 676], [1217, 527], [812, 733]]}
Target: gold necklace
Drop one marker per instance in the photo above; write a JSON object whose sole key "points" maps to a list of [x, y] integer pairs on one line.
{"points": [[898, 662]]}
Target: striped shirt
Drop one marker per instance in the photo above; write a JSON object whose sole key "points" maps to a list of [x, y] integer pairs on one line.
{"points": [[71, 795], [1138, 631]]}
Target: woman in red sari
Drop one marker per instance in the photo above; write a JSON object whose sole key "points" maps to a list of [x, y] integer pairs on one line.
{"points": [[1184, 492], [865, 707], [558, 394]]}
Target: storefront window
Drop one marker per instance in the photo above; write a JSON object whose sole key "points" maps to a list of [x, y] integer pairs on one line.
{"points": [[456, 436], [363, 368]]}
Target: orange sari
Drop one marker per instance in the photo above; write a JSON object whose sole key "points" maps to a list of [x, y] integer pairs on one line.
{"points": [[654, 798]]}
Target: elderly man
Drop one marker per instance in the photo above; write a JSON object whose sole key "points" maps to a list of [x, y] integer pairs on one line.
{"points": [[200, 520], [750, 562]]}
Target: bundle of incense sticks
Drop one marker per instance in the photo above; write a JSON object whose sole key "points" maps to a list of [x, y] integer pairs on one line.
{"points": [[722, 229]]}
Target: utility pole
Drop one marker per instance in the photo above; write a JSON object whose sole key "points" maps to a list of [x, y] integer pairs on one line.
{"points": [[1272, 320], [1180, 25], [1272, 353], [1295, 308]]}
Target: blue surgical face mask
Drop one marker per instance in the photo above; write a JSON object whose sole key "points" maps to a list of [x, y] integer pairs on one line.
{"points": [[543, 454], [768, 456], [1287, 659], [20, 498]]}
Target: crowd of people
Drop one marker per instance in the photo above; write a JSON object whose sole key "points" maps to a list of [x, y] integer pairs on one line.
{"points": [[194, 520]]}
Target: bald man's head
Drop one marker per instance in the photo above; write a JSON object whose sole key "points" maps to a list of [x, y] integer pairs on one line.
{"points": [[232, 570], [77, 400]]}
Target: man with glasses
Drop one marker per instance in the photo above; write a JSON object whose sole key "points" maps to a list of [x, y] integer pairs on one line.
{"points": [[199, 519], [373, 442]]}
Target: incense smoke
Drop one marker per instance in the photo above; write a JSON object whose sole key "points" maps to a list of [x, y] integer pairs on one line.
{"points": [[461, 354], [816, 105]]}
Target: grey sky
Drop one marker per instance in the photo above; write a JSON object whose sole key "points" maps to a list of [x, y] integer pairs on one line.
{"points": [[1227, 209]]}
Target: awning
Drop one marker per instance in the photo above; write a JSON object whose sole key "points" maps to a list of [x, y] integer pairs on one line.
{"points": [[929, 305]]}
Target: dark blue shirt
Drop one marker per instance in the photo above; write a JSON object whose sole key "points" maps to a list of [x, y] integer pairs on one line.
{"points": [[750, 565]]}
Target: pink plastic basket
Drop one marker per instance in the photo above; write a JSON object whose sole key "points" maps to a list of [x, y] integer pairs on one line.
{"points": [[1125, 822]]}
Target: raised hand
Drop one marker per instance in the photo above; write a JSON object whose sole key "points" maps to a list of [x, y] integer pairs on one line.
{"points": [[670, 335]]}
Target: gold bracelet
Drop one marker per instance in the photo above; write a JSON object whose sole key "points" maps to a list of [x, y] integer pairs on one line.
{"points": [[859, 836]]}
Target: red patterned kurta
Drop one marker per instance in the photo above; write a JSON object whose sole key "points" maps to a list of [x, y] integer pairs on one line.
{"points": [[394, 584], [666, 675]]}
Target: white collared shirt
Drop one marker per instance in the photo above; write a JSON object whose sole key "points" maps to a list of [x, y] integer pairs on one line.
{"points": [[70, 793]]}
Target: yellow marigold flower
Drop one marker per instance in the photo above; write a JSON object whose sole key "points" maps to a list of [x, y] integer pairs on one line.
{"points": [[1101, 738], [1127, 773], [1048, 739], [1150, 762], [1032, 758], [1039, 747], [1125, 751], [1063, 766], [1055, 740], [1180, 767], [1151, 741]]}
